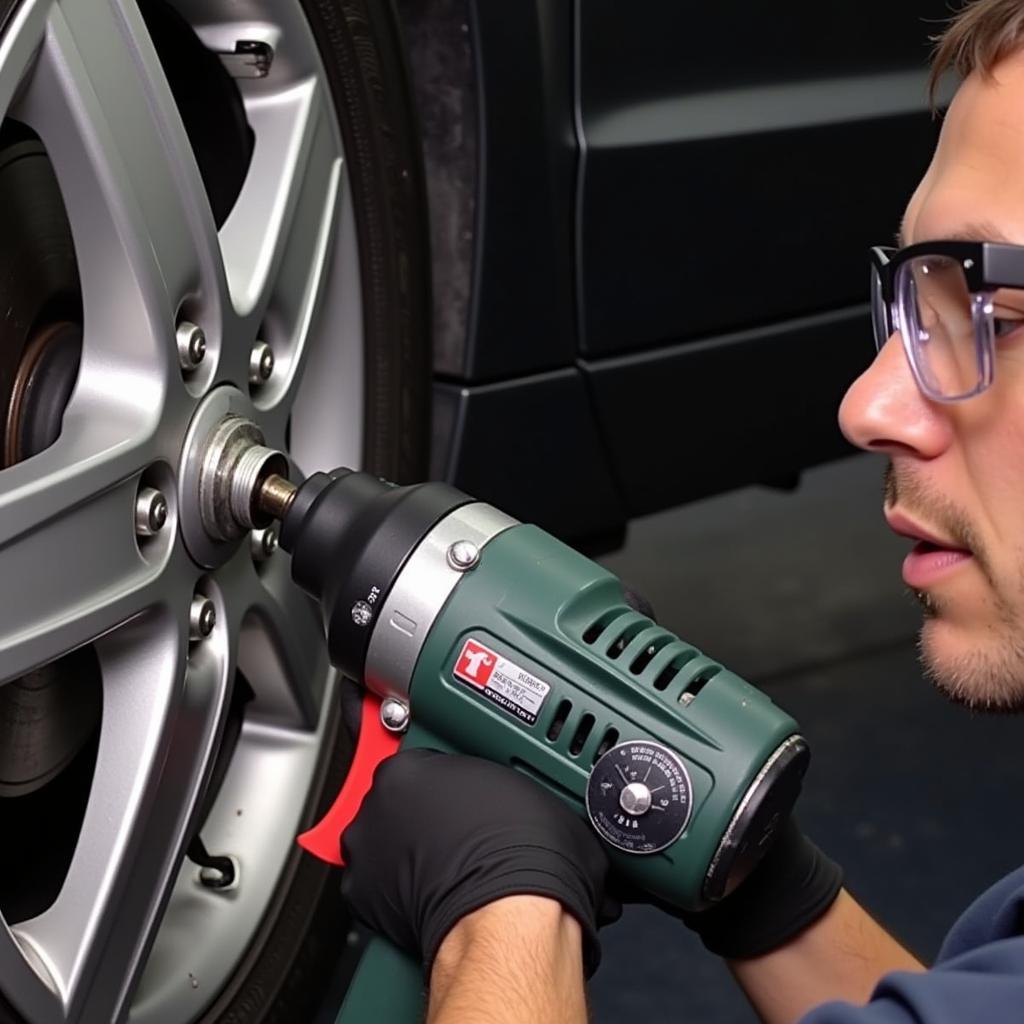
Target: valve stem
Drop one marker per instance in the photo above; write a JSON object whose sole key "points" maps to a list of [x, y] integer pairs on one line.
{"points": [[275, 495]]}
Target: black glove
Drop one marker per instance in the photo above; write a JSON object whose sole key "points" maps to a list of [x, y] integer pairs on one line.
{"points": [[790, 889], [441, 835]]}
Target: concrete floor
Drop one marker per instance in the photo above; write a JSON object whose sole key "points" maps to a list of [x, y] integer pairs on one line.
{"points": [[801, 594]]}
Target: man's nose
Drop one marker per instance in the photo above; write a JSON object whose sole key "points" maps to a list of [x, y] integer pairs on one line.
{"points": [[883, 410]]}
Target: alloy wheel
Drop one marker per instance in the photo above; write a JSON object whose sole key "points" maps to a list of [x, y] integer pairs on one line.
{"points": [[183, 725]]}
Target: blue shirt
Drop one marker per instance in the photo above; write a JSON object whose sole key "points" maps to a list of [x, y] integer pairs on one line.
{"points": [[978, 977]]}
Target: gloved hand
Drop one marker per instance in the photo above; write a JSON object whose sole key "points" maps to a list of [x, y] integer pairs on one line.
{"points": [[441, 835], [790, 889]]}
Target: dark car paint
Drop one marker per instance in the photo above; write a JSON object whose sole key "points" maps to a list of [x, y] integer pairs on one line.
{"points": [[668, 268]]}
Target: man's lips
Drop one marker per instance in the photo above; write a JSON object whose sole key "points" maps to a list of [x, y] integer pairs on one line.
{"points": [[905, 527], [931, 558]]}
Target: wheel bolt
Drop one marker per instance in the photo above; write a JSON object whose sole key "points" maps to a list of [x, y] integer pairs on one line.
{"points": [[202, 618], [191, 345], [150, 512], [261, 363], [263, 543]]}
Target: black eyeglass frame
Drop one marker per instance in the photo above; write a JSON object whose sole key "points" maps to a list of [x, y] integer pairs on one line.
{"points": [[987, 266]]}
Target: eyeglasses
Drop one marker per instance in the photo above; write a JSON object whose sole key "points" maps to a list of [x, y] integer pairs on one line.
{"points": [[943, 299]]}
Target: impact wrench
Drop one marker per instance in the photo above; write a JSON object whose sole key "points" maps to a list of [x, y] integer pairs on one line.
{"points": [[474, 633]]}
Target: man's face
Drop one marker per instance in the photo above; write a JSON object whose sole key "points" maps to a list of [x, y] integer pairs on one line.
{"points": [[956, 478]]}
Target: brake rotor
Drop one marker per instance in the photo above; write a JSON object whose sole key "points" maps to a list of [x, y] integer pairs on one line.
{"points": [[38, 272], [40, 391], [47, 716]]}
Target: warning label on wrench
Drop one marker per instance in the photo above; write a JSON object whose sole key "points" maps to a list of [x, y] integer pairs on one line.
{"points": [[504, 682]]}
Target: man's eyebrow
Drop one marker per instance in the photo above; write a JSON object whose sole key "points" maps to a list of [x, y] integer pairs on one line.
{"points": [[978, 231]]}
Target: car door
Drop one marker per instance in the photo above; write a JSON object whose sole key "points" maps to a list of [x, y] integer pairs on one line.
{"points": [[737, 160]]}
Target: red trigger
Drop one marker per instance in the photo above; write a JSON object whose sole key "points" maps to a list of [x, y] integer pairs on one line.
{"points": [[374, 744]]}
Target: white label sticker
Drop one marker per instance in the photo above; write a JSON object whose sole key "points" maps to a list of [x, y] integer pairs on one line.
{"points": [[507, 684]]}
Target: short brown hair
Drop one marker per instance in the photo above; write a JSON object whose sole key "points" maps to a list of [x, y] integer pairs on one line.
{"points": [[979, 35]]}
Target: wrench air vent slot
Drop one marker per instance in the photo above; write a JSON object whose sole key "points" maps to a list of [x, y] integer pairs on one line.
{"points": [[596, 628], [583, 730], [558, 722], [644, 658], [610, 738], [698, 683], [626, 637], [672, 669]]}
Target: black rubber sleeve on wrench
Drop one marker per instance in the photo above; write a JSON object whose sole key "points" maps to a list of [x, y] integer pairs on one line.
{"points": [[349, 534]]}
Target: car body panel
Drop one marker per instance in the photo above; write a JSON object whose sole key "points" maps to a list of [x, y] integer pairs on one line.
{"points": [[674, 204]]}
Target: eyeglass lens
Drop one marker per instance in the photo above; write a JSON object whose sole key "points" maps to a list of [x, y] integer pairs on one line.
{"points": [[936, 315]]}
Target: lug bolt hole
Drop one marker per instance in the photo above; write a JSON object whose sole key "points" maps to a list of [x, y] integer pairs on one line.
{"points": [[154, 512], [261, 364], [191, 345], [150, 512], [263, 543], [202, 618]]}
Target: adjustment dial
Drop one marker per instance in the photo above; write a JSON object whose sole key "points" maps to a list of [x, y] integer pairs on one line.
{"points": [[639, 797]]}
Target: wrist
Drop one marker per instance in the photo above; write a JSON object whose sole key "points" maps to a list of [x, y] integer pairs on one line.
{"points": [[481, 962], [538, 920]]}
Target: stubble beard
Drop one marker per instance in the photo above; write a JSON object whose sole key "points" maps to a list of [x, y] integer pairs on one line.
{"points": [[990, 675]]}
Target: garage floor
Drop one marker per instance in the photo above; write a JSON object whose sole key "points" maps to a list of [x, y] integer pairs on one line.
{"points": [[801, 594]]}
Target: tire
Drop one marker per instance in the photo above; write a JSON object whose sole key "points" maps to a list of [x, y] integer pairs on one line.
{"points": [[360, 43], [295, 950]]}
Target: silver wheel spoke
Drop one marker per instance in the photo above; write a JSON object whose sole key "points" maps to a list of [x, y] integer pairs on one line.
{"points": [[67, 538], [141, 223], [34, 998], [281, 650], [276, 241], [155, 743], [327, 409], [21, 39]]}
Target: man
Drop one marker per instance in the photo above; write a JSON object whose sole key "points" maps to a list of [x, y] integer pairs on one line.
{"points": [[500, 889]]}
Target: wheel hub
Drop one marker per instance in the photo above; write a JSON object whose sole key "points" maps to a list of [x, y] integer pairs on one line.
{"points": [[234, 463], [223, 449]]}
